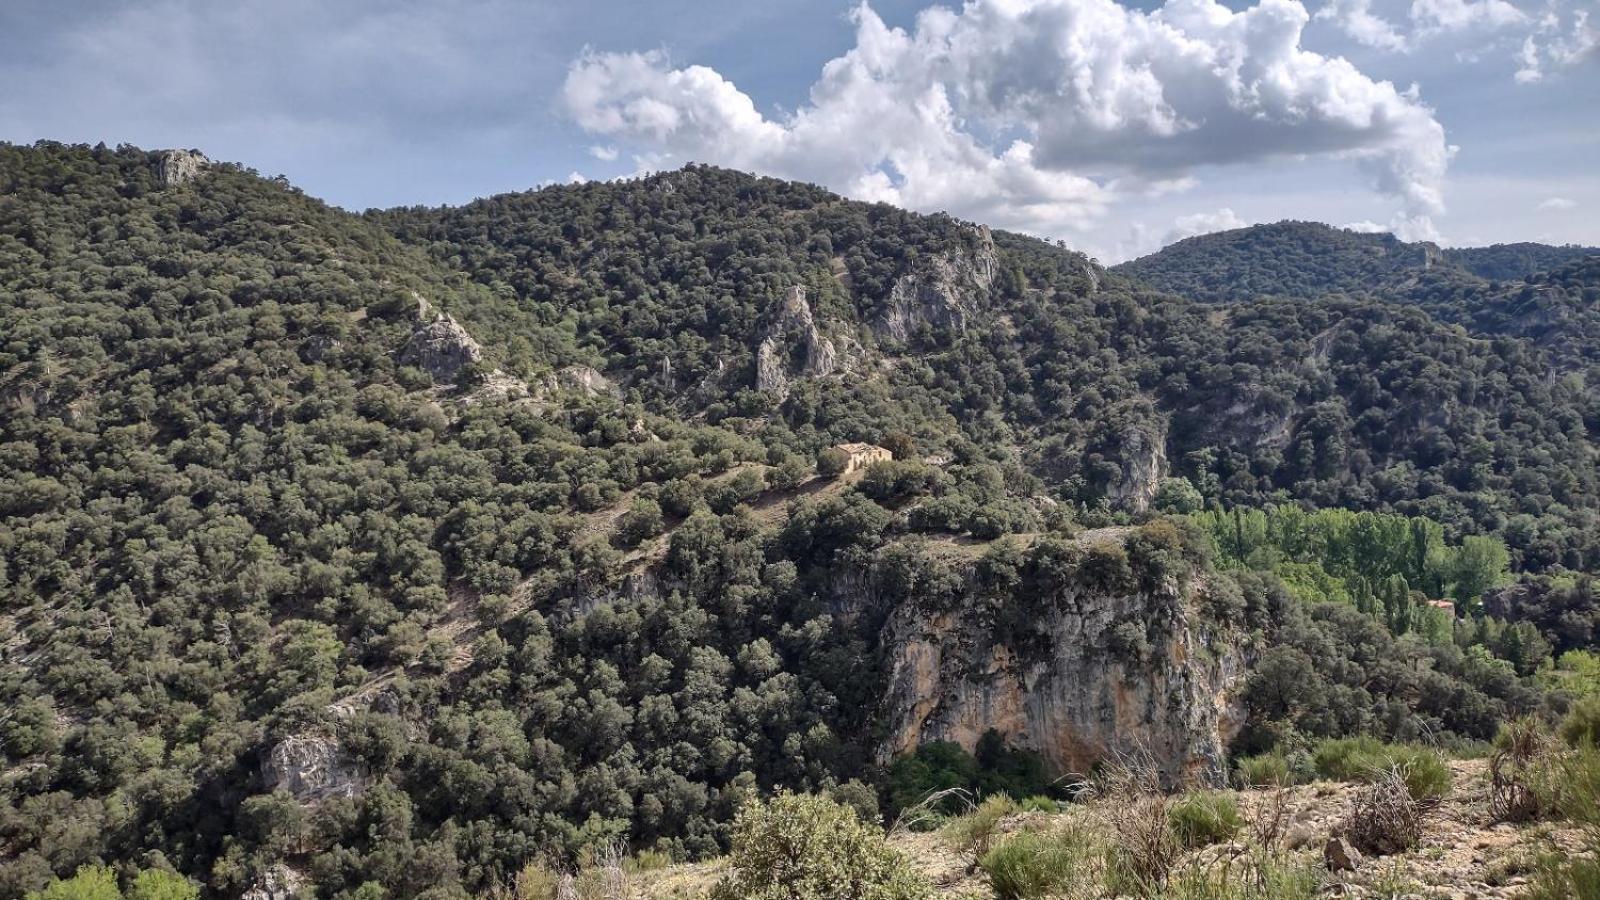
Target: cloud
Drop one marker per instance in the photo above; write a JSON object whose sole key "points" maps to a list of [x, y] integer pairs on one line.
{"points": [[1202, 223], [1557, 204], [604, 154], [1462, 15], [1034, 114], [1560, 40], [1355, 18]]}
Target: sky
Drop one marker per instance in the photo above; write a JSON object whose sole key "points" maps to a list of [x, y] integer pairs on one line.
{"points": [[1113, 128]]}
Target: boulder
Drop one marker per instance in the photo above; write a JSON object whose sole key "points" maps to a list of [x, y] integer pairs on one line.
{"points": [[312, 768], [1339, 856], [442, 348]]}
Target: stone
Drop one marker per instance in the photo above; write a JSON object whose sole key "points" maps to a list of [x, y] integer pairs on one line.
{"points": [[1339, 856], [794, 347], [1059, 688], [585, 380], [312, 768], [1144, 464], [175, 167], [442, 348], [277, 883], [946, 295]]}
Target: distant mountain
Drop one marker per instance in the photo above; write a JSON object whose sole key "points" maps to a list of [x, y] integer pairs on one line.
{"points": [[1309, 259], [1536, 291]]}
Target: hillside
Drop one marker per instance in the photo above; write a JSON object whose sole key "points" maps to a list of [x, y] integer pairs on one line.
{"points": [[390, 552], [1550, 295]]}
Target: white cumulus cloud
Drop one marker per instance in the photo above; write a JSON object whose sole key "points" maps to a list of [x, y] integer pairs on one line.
{"points": [[1356, 18], [1557, 204], [1034, 114], [1461, 15]]}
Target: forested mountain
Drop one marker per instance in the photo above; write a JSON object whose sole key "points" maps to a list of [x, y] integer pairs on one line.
{"points": [[392, 551], [1550, 295]]}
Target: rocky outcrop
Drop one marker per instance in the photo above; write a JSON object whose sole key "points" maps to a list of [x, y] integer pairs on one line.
{"points": [[1144, 464], [794, 347], [584, 380], [1074, 689], [312, 768], [277, 883], [945, 296], [175, 167], [440, 346]]}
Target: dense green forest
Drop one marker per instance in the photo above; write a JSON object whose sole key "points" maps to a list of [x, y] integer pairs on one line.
{"points": [[240, 514]]}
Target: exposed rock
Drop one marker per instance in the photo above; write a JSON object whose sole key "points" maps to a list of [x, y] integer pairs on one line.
{"points": [[1144, 464], [1060, 689], [312, 768], [175, 167], [277, 883], [585, 380], [1339, 856], [441, 347], [794, 347], [945, 297]]}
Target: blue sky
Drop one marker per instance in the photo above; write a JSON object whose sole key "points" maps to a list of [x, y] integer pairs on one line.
{"points": [[1113, 128]]}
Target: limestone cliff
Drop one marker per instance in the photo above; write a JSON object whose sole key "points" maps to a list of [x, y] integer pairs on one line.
{"points": [[175, 167], [945, 294], [439, 345], [794, 347], [1097, 672]]}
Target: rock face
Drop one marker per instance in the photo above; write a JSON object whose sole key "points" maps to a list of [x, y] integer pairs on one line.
{"points": [[312, 768], [440, 347], [277, 883], [175, 167], [946, 296], [1070, 692], [1144, 464], [584, 380], [794, 347]]}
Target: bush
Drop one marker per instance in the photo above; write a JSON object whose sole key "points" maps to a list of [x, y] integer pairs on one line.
{"points": [[1519, 771], [1364, 758], [1385, 817], [1266, 770], [1204, 818], [1042, 863], [807, 847], [831, 462], [974, 832], [1582, 724], [1040, 804]]}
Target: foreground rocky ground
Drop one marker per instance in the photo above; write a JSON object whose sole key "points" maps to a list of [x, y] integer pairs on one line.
{"points": [[1464, 853]]}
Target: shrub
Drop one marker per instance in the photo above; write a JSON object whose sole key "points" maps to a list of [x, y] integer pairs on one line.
{"points": [[90, 883], [831, 462], [1385, 817], [1518, 771], [1127, 800], [973, 833], [1042, 863], [1348, 759], [1364, 758], [641, 521], [1582, 724], [1040, 804], [807, 847], [1203, 818], [1266, 770]]}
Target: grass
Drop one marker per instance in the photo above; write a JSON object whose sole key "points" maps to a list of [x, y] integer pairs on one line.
{"points": [[1364, 759], [1033, 864], [1264, 877], [1266, 770], [1203, 818]]}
